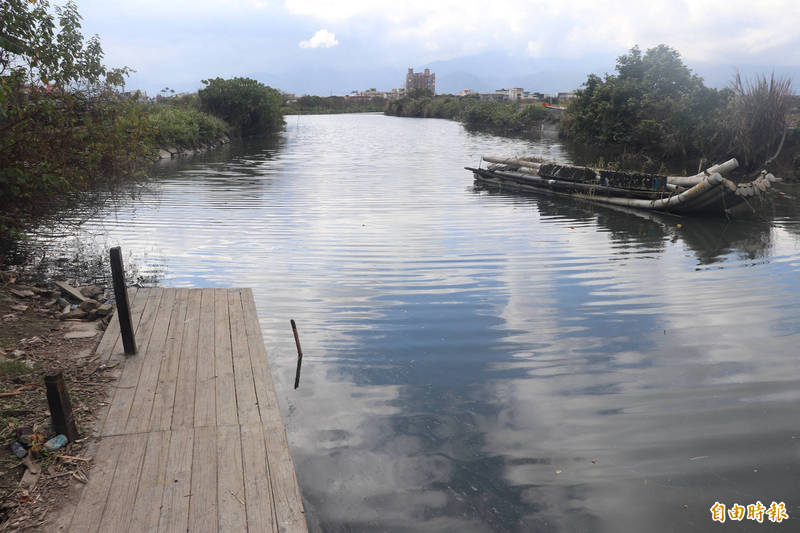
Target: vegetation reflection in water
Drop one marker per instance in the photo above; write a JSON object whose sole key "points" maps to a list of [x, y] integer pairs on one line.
{"points": [[481, 361]]}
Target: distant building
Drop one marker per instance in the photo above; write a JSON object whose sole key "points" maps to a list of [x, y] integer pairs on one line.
{"points": [[566, 96], [516, 94], [500, 95], [355, 95], [467, 92], [137, 95], [420, 80], [369, 94]]}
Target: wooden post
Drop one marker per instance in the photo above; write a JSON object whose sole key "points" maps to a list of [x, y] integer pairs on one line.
{"points": [[299, 354], [123, 307], [60, 406]]}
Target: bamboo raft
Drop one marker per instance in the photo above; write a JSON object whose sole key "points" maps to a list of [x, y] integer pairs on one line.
{"points": [[705, 193]]}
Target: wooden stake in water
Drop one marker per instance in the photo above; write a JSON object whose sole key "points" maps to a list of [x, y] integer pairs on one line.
{"points": [[299, 354]]}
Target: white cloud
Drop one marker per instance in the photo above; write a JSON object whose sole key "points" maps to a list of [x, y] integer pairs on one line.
{"points": [[323, 38]]}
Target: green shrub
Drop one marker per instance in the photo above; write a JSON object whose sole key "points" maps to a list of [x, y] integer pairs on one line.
{"points": [[307, 105], [185, 127], [500, 117], [249, 107]]}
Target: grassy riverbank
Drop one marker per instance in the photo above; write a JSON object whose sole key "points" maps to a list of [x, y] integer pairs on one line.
{"points": [[327, 105], [494, 117]]}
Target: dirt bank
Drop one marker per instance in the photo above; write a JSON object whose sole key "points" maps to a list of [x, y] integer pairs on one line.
{"points": [[41, 336]]}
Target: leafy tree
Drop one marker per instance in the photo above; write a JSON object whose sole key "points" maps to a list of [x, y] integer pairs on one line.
{"points": [[40, 48], [249, 107], [654, 104], [65, 128]]}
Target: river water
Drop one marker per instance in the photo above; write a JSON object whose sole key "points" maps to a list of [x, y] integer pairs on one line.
{"points": [[477, 361]]}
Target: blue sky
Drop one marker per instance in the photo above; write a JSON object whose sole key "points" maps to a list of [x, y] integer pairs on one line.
{"points": [[320, 46]]}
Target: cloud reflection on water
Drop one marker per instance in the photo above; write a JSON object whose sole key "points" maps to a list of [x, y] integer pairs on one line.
{"points": [[461, 346]]}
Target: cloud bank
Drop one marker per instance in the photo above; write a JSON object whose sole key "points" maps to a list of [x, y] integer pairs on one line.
{"points": [[191, 40]]}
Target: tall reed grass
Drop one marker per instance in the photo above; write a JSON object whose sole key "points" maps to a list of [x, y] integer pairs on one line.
{"points": [[755, 119]]}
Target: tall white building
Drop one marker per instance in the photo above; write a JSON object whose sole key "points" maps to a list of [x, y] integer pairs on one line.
{"points": [[420, 80]]}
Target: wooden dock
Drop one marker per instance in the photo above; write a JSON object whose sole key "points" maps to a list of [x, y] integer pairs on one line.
{"points": [[193, 439]]}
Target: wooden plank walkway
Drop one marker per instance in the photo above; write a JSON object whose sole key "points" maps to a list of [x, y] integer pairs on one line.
{"points": [[193, 439]]}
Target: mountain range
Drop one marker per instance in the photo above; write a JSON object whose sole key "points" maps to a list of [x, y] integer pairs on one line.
{"points": [[488, 72]]}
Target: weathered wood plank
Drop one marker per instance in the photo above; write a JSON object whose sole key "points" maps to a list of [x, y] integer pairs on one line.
{"points": [[93, 500], [183, 410], [111, 350], [146, 510], [72, 291], [289, 511], [117, 417], [203, 503], [231, 511], [161, 417], [122, 493], [265, 389], [246, 401], [257, 489], [205, 399], [111, 335], [223, 362], [202, 371], [177, 488], [142, 405]]}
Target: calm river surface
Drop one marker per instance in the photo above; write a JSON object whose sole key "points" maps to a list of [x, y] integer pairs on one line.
{"points": [[479, 361]]}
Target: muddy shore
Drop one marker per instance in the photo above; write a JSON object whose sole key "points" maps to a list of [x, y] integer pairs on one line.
{"points": [[45, 329]]}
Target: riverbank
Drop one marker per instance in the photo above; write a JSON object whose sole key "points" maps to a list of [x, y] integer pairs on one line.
{"points": [[48, 165], [500, 118], [325, 105], [531, 120], [173, 152], [41, 335]]}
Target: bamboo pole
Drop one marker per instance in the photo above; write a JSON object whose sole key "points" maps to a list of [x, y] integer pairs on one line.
{"points": [[690, 181], [522, 163]]}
